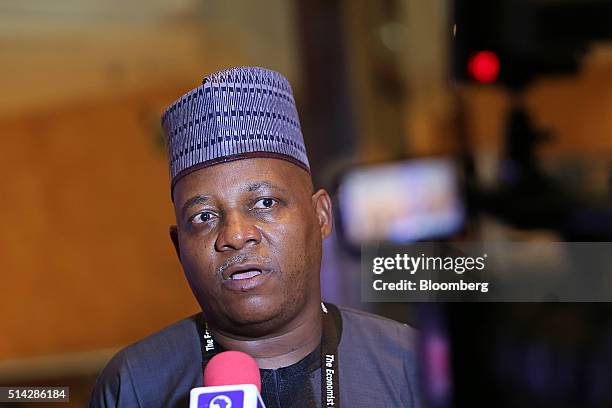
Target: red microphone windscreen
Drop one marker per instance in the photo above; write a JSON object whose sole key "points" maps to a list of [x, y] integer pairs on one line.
{"points": [[231, 368]]}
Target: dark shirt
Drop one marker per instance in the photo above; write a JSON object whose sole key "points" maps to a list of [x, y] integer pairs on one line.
{"points": [[292, 386], [376, 356]]}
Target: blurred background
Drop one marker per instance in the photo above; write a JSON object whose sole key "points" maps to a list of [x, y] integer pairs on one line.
{"points": [[426, 120]]}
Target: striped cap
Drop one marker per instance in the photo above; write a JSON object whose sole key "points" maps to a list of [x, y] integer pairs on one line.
{"points": [[235, 114]]}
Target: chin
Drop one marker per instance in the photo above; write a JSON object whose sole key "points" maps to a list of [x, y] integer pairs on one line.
{"points": [[258, 316]]}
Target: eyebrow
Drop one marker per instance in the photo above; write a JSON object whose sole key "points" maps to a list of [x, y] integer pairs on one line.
{"points": [[195, 200], [259, 185]]}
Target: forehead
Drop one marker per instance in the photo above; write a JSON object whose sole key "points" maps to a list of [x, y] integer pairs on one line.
{"points": [[242, 176]]}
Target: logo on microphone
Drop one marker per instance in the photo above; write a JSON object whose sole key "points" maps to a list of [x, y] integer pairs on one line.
{"points": [[220, 401], [213, 397]]}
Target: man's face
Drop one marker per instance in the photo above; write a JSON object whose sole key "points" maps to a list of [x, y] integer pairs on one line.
{"points": [[249, 238]]}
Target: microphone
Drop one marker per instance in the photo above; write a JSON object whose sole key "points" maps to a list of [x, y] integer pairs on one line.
{"points": [[231, 379]]}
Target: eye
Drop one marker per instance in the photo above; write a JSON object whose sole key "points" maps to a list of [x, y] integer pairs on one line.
{"points": [[202, 217], [264, 203]]}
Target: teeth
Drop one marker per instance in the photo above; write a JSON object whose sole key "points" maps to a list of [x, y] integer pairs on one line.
{"points": [[245, 275]]}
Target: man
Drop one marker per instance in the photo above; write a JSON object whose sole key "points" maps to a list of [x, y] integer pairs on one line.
{"points": [[249, 231]]}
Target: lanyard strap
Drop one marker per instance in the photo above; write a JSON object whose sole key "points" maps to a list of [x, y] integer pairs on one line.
{"points": [[330, 360]]}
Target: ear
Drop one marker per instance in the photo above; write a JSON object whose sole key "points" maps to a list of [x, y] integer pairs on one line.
{"points": [[174, 237], [322, 205]]}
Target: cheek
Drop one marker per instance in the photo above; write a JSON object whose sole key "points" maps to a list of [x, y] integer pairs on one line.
{"points": [[293, 244], [197, 258]]}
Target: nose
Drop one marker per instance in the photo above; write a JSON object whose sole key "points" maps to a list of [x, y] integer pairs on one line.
{"points": [[237, 231]]}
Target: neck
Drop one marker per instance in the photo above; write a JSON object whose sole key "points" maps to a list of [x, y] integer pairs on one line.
{"points": [[279, 350]]}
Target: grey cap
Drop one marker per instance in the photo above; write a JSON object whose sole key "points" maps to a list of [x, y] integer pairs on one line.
{"points": [[235, 114]]}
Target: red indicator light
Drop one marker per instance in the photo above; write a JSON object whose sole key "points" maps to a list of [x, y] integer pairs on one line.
{"points": [[483, 66]]}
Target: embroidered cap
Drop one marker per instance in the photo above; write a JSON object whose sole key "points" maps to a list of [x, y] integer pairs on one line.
{"points": [[235, 114]]}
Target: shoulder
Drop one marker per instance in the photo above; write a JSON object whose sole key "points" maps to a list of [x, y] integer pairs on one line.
{"points": [[386, 350], [363, 327], [137, 373], [165, 342]]}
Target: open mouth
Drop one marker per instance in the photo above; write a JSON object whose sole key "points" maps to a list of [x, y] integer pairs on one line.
{"points": [[245, 274], [243, 271]]}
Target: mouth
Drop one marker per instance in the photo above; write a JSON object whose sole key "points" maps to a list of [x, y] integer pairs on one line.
{"points": [[243, 272], [246, 277]]}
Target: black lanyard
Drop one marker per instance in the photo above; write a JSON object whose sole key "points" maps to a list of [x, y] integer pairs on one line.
{"points": [[330, 367]]}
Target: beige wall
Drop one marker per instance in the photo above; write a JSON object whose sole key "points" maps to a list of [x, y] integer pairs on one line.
{"points": [[84, 250]]}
